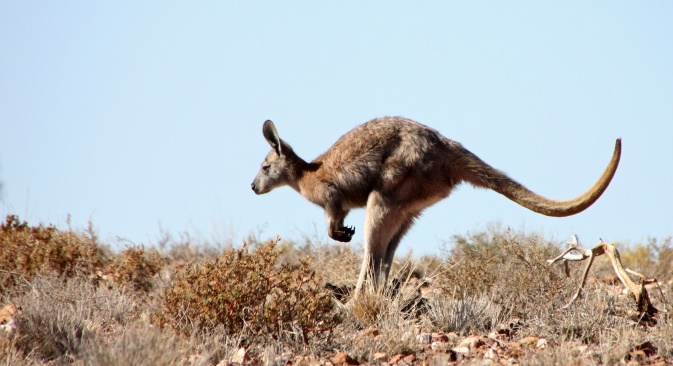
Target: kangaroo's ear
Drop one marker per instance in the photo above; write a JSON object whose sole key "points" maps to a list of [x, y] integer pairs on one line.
{"points": [[271, 136]]}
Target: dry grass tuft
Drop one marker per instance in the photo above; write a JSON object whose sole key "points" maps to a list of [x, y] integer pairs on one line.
{"points": [[464, 315], [59, 320], [142, 345]]}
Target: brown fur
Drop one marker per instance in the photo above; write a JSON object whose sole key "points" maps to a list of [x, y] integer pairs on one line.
{"points": [[396, 168]]}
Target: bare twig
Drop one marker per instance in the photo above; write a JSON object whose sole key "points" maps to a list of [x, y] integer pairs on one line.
{"points": [[638, 291]]}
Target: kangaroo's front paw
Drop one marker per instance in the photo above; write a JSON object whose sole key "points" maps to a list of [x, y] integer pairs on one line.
{"points": [[344, 234]]}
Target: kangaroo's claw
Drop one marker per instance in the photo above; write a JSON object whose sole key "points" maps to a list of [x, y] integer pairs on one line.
{"points": [[345, 234]]}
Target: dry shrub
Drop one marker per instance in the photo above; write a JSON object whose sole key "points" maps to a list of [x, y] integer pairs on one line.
{"points": [[586, 320], [653, 259], [135, 267], [663, 254], [29, 251], [512, 273], [246, 292], [185, 249], [511, 270]]}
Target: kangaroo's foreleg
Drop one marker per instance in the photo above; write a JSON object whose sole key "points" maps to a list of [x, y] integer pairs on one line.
{"points": [[335, 223]]}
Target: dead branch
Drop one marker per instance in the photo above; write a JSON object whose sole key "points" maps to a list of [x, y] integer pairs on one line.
{"points": [[577, 253]]}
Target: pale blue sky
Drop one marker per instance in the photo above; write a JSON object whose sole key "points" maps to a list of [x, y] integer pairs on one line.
{"points": [[141, 115]]}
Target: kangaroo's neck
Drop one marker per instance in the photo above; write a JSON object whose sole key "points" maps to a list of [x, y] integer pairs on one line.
{"points": [[297, 169], [306, 179]]}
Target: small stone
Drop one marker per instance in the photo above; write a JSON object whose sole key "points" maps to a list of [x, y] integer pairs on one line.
{"points": [[439, 359], [471, 342], [490, 342], [7, 316], [371, 332], [239, 357], [439, 337], [461, 350], [342, 358], [395, 359], [380, 357], [425, 338], [439, 346], [581, 349], [500, 334], [529, 341], [452, 336]]}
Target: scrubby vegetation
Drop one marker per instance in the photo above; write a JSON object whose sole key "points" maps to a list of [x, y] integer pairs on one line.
{"points": [[490, 298], [27, 252], [251, 296]]}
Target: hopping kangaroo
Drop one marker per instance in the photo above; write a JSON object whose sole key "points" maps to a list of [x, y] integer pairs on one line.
{"points": [[396, 168]]}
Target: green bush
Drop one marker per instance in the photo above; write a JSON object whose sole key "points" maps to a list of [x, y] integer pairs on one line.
{"points": [[248, 293]]}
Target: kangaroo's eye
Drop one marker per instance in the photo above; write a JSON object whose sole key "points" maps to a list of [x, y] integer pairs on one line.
{"points": [[266, 168]]}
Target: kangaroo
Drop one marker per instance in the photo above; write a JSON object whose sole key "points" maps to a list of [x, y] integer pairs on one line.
{"points": [[396, 167]]}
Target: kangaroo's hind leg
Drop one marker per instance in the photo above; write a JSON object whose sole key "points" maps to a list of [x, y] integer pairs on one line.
{"points": [[392, 246], [382, 224]]}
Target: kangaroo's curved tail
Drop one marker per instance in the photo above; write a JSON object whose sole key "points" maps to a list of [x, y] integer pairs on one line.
{"points": [[483, 175]]}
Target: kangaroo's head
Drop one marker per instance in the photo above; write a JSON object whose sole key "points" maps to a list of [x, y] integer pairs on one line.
{"points": [[278, 168]]}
